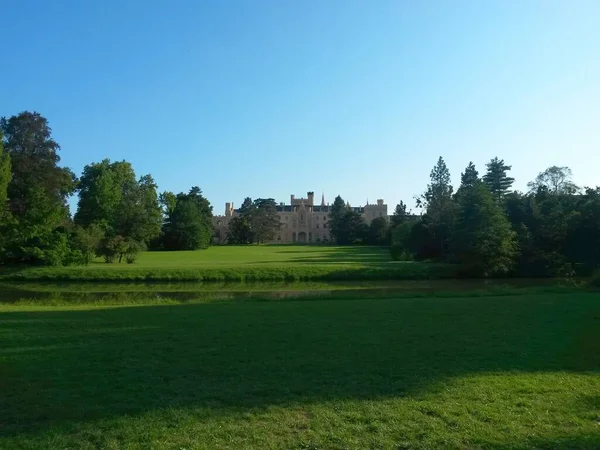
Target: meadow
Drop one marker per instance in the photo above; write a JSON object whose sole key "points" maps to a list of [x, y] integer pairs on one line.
{"points": [[245, 263], [508, 372]]}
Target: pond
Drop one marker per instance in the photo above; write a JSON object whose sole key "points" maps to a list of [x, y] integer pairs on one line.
{"points": [[116, 291]]}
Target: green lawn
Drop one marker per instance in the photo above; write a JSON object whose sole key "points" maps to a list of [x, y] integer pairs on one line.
{"points": [[504, 372], [256, 262]]}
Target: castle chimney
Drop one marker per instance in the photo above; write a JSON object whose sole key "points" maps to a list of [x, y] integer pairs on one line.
{"points": [[311, 197]]}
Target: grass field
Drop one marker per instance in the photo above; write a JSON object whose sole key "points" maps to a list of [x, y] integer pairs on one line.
{"points": [[229, 263], [483, 372]]}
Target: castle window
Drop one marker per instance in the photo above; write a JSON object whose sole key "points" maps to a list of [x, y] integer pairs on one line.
{"points": [[317, 225], [324, 225]]}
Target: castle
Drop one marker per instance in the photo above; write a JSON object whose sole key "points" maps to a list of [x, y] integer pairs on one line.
{"points": [[301, 221]]}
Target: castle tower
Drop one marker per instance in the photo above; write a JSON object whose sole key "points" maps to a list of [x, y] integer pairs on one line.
{"points": [[323, 199]]}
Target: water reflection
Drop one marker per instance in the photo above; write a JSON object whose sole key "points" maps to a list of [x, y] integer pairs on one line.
{"points": [[117, 291]]}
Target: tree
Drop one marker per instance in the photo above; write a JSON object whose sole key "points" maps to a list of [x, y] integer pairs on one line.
{"points": [[557, 180], [5, 177], [87, 241], [483, 240], [264, 220], [351, 228], [400, 214], [34, 159], [496, 179], [37, 193], [378, 232], [102, 187], [439, 206], [336, 216], [239, 232], [189, 225], [470, 176], [110, 197], [139, 216], [167, 201]]}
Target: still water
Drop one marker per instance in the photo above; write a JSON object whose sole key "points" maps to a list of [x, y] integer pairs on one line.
{"points": [[115, 291]]}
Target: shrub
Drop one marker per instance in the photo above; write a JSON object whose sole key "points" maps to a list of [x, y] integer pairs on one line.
{"points": [[399, 253]]}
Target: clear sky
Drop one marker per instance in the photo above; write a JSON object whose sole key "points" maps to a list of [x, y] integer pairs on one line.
{"points": [[268, 98]]}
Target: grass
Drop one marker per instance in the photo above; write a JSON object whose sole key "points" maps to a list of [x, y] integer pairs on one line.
{"points": [[248, 263], [506, 372]]}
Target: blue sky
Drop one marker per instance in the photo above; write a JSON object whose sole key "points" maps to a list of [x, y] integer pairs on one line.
{"points": [[268, 98]]}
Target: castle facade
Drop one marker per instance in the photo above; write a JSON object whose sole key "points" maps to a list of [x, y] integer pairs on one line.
{"points": [[302, 221]]}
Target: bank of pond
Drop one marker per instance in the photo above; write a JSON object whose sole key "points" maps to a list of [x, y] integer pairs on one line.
{"points": [[52, 293]]}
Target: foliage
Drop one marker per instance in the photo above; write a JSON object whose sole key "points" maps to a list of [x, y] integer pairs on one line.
{"points": [[5, 177], [351, 228], [256, 222], [264, 220], [239, 232], [496, 178], [439, 216], [37, 193], [34, 160], [483, 241], [556, 180], [114, 248], [378, 232], [87, 241], [167, 201], [470, 176], [400, 214], [403, 240], [110, 197], [189, 224]]}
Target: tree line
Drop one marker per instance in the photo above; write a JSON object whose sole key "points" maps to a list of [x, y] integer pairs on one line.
{"points": [[118, 214], [551, 230]]}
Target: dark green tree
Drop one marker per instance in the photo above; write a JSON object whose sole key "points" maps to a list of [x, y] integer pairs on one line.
{"points": [[470, 176], [400, 214], [496, 178], [34, 160], [37, 193], [264, 220], [439, 206], [378, 233], [5, 177], [351, 228], [189, 226], [336, 217], [239, 232], [484, 242]]}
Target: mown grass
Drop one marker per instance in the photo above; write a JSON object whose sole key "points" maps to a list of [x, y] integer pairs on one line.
{"points": [[457, 372], [243, 264]]}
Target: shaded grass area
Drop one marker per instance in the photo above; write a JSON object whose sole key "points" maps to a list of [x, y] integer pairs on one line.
{"points": [[243, 264], [471, 372]]}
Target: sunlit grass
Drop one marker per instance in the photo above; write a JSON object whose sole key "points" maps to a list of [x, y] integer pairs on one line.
{"points": [[245, 263], [471, 372]]}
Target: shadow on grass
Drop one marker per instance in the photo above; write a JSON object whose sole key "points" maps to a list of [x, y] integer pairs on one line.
{"points": [[346, 255], [78, 365]]}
